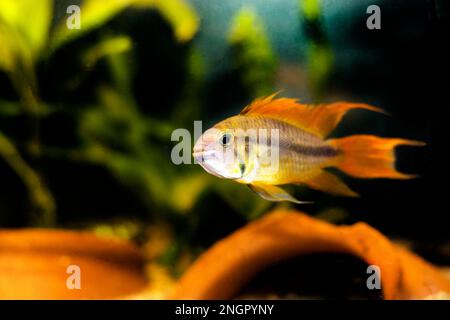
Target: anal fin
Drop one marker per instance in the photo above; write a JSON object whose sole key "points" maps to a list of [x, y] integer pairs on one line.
{"points": [[273, 193], [328, 182]]}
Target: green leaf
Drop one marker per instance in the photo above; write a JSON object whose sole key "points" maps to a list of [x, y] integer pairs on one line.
{"points": [[29, 20], [187, 190], [15, 108], [9, 49], [311, 9], [109, 46], [93, 14], [116, 136], [40, 196], [180, 15], [320, 64], [252, 53], [8, 108]]}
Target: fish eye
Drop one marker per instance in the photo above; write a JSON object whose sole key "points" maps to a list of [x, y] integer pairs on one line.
{"points": [[225, 139]]}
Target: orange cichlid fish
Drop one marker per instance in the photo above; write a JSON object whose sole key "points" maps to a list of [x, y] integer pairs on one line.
{"points": [[278, 141]]}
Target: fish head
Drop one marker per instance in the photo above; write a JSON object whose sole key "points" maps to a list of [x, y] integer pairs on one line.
{"points": [[216, 151]]}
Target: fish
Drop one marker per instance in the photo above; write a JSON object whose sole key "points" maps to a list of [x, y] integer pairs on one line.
{"points": [[279, 141]]}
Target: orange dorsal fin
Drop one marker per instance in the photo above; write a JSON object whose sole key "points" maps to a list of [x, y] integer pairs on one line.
{"points": [[318, 119]]}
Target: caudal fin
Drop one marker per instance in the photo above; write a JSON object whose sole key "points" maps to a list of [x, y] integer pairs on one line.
{"points": [[367, 156]]}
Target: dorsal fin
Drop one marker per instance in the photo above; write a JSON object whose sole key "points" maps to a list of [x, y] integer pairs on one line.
{"points": [[320, 119]]}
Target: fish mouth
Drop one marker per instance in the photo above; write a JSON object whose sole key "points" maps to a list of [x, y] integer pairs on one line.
{"points": [[210, 170], [202, 156]]}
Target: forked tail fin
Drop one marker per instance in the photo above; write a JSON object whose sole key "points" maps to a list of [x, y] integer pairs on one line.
{"points": [[367, 156]]}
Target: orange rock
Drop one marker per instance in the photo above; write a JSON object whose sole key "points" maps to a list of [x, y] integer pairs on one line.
{"points": [[228, 266], [33, 265]]}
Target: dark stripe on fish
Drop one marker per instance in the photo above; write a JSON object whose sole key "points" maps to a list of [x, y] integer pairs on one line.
{"points": [[311, 151], [322, 151]]}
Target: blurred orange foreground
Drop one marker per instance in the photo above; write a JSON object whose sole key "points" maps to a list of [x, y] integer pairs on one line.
{"points": [[34, 265], [224, 269]]}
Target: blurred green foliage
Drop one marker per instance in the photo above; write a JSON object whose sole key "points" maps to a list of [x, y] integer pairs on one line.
{"points": [[113, 129], [25, 44], [252, 53], [318, 49]]}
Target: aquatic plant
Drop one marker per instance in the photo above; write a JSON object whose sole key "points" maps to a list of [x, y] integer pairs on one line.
{"points": [[95, 96], [252, 53], [26, 47], [319, 54]]}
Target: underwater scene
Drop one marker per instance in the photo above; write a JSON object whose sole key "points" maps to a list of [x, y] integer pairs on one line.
{"points": [[224, 150]]}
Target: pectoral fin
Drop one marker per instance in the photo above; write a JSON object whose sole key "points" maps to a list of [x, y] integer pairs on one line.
{"points": [[273, 193]]}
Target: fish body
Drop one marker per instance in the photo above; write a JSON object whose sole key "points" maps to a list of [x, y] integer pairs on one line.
{"points": [[300, 152], [274, 142]]}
